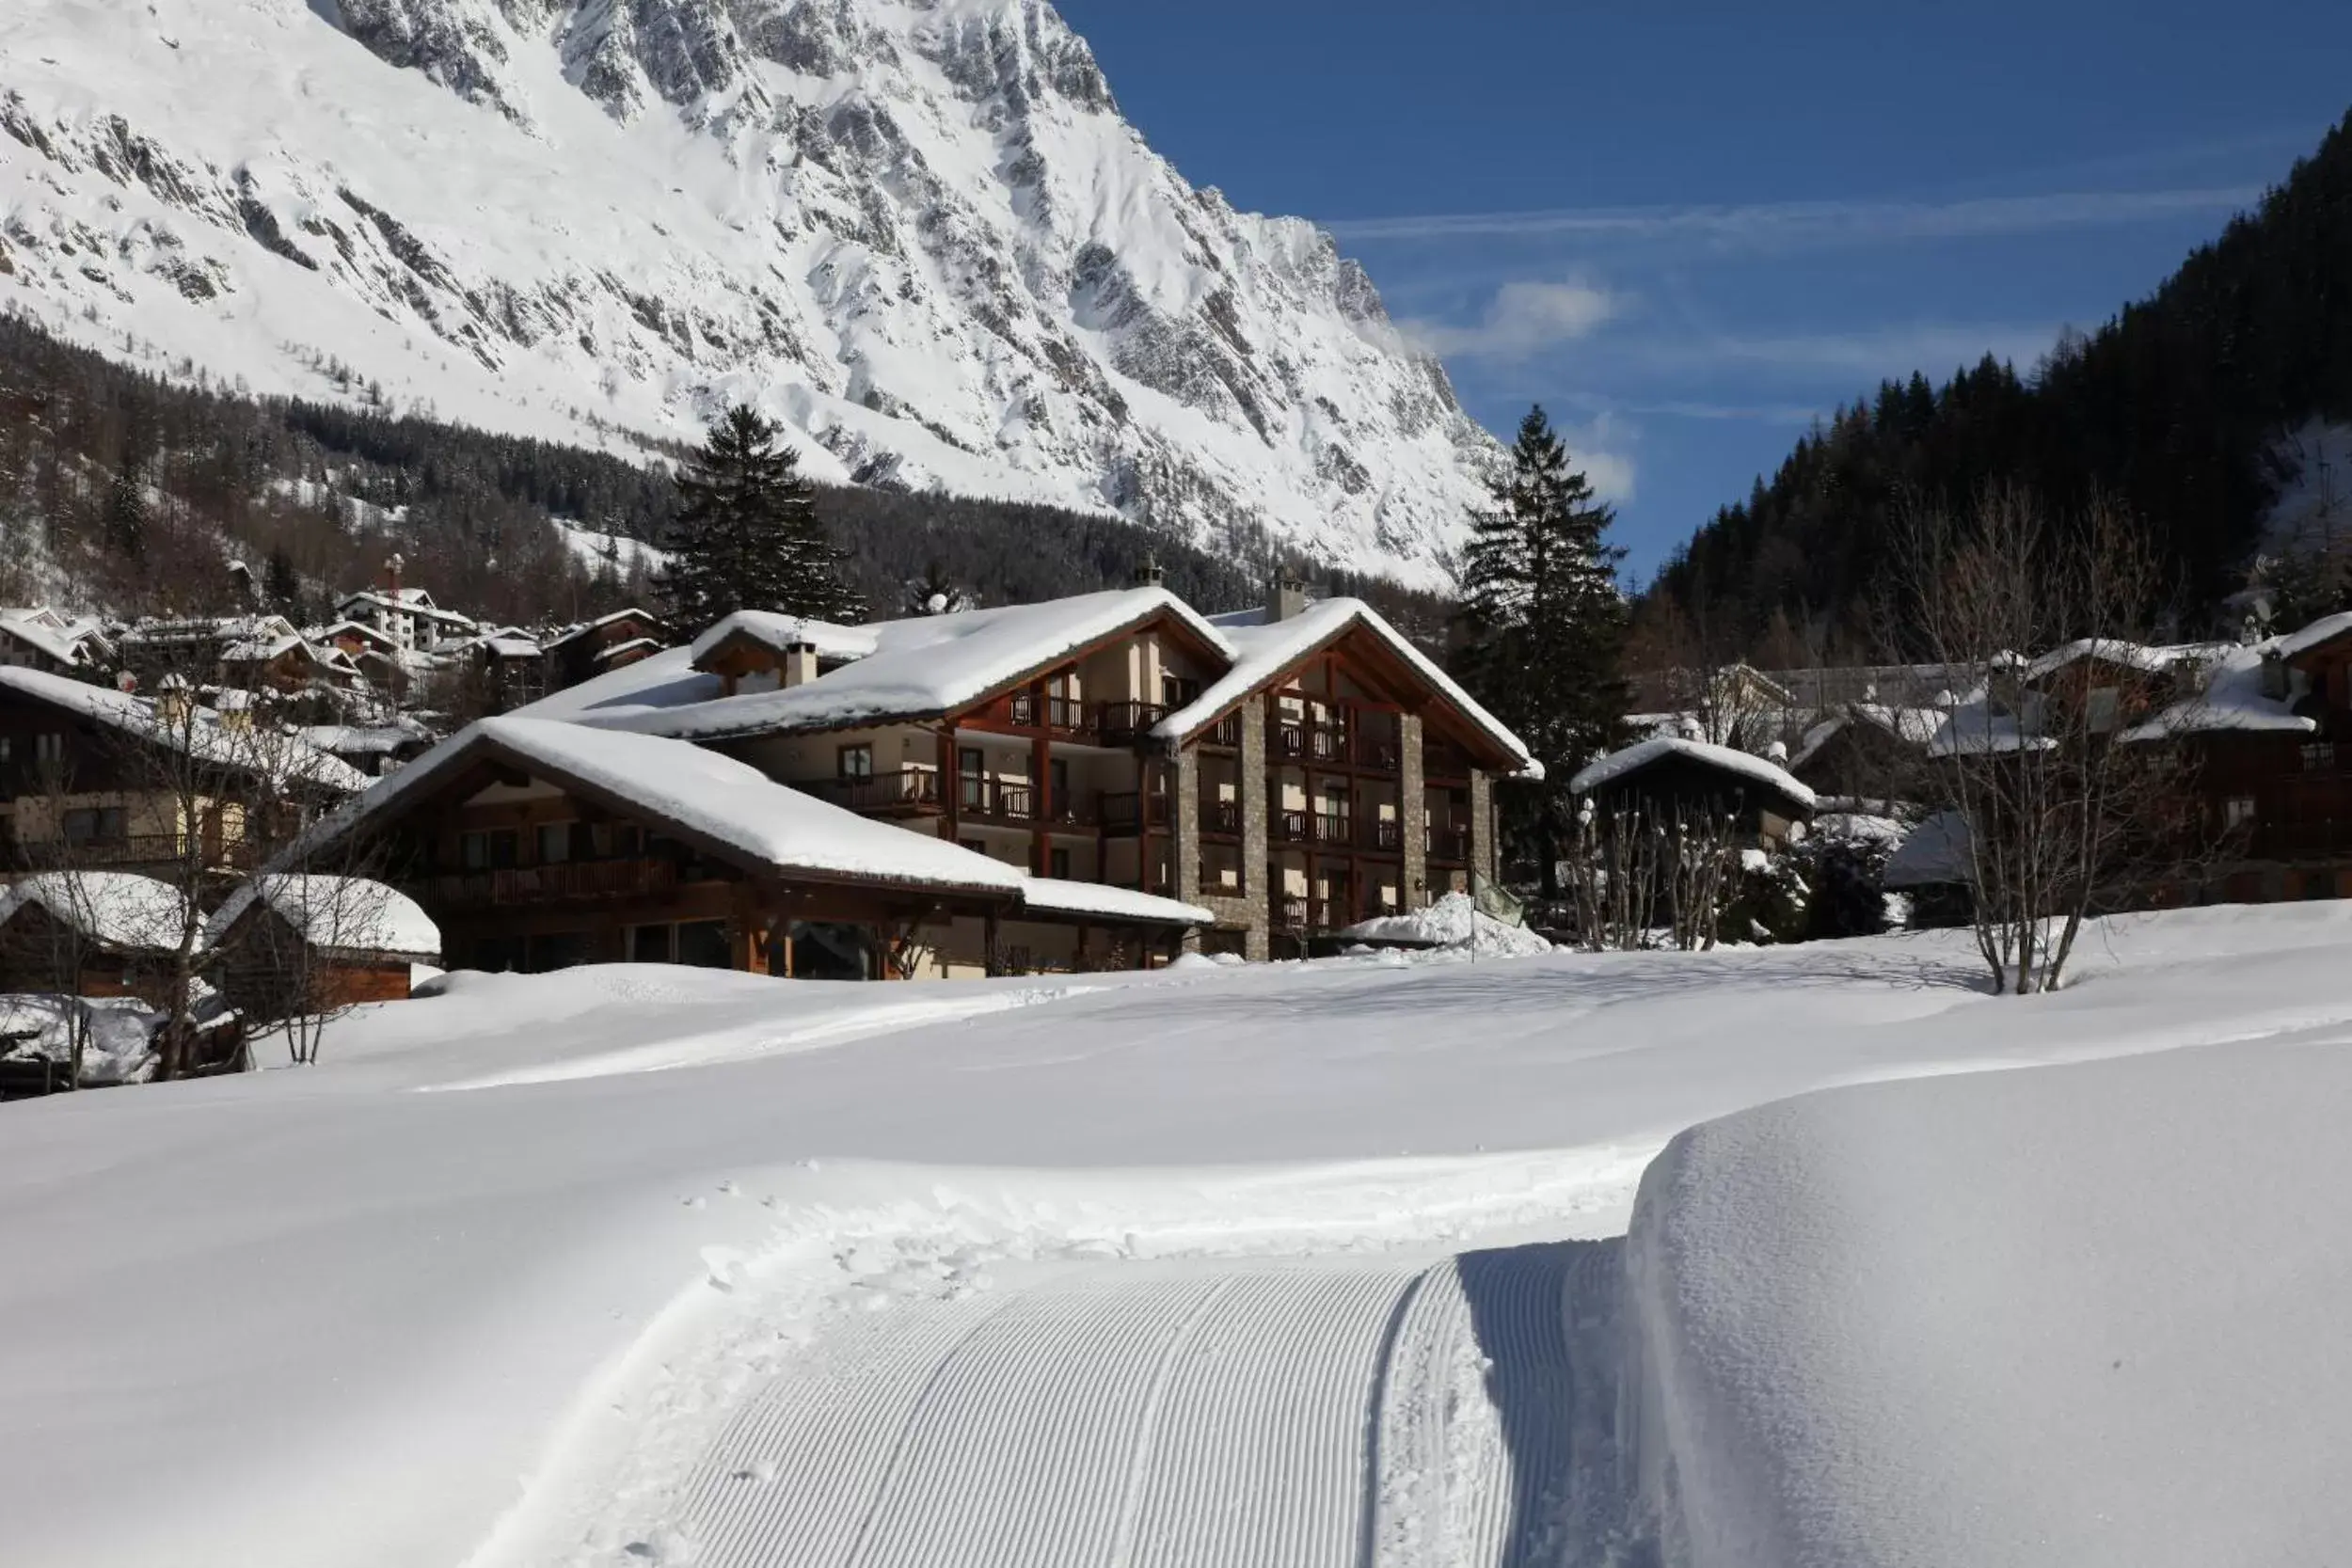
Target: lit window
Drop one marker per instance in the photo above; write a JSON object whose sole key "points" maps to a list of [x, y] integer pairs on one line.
{"points": [[2319, 756], [857, 762], [2237, 811]]}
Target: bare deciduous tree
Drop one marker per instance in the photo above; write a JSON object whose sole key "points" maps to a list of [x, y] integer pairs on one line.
{"points": [[2071, 791]]}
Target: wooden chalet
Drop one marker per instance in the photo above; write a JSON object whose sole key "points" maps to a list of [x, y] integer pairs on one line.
{"points": [[610, 641], [76, 788], [1667, 777], [537, 845], [317, 944], [89, 933]]}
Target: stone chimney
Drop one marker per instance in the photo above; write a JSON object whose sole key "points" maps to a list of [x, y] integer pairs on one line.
{"points": [[1150, 573], [1288, 601], [799, 666], [174, 702]]}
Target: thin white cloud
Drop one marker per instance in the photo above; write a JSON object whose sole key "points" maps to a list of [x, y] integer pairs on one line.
{"points": [[1598, 447], [1935, 348], [1781, 225], [1523, 319]]}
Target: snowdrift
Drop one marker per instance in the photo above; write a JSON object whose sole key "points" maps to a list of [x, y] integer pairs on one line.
{"points": [[2084, 1315]]}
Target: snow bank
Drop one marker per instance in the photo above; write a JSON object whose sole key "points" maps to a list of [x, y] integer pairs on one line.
{"points": [[2087, 1315], [1452, 920], [116, 1034]]}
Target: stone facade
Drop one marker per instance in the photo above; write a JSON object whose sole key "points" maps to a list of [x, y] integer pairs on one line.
{"points": [[1482, 844], [1413, 810]]}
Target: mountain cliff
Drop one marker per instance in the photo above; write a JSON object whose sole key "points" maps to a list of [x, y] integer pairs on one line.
{"points": [[917, 230]]}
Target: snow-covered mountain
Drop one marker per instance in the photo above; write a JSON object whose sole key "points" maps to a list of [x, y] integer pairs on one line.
{"points": [[919, 230]]}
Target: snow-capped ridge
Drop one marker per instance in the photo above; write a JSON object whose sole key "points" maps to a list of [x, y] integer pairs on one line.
{"points": [[917, 232]]}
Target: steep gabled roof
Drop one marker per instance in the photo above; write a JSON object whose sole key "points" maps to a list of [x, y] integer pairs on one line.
{"points": [[1265, 650], [343, 917], [118, 911]]}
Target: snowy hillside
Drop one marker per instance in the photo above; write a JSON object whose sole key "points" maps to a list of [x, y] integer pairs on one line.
{"points": [[917, 229]]}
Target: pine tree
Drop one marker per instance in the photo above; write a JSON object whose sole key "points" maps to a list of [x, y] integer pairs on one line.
{"points": [[747, 534], [1546, 627], [126, 511], [280, 585]]}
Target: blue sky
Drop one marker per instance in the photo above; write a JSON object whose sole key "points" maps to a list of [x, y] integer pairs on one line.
{"points": [[1687, 230]]}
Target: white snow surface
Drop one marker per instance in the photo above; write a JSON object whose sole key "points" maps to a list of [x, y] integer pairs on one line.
{"points": [[1061, 896], [920, 233], [1617, 764], [2232, 697], [341, 916], [725, 802], [2085, 1315], [1280, 1264], [119, 909], [777, 631], [1452, 920], [117, 1034]]}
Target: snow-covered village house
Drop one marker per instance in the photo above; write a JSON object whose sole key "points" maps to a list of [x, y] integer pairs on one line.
{"points": [[406, 615], [317, 944], [35, 637], [609, 641], [87, 777], [1669, 777], [89, 933], [1078, 783]]}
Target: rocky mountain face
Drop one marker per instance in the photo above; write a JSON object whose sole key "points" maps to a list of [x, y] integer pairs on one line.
{"points": [[917, 230]]}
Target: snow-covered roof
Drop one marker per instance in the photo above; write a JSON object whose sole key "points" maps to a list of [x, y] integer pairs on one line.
{"points": [[340, 916], [581, 628], [361, 739], [412, 601], [2325, 629], [264, 650], [766, 629], [658, 681], [43, 631], [2110, 650], [208, 628], [1265, 648], [1642, 753], [1977, 728], [921, 667], [728, 806], [2232, 698], [1916, 727], [1056, 895], [348, 627], [119, 909], [634, 646], [255, 750], [1454, 920], [511, 648]]}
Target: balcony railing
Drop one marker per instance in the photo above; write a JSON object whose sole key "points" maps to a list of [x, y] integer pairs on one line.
{"points": [[1123, 724], [1225, 732], [1376, 755], [911, 791], [988, 801], [562, 883], [1219, 816], [1450, 845], [1289, 827], [218, 853]]}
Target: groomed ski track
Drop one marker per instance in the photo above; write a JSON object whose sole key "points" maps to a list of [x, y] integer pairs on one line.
{"points": [[1351, 1412]]}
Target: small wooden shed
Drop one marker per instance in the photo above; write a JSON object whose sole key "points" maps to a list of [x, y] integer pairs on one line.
{"points": [[89, 933], [316, 944]]}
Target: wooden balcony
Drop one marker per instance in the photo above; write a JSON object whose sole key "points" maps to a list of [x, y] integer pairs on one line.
{"points": [[909, 792], [219, 853], [1225, 732], [988, 801], [1448, 845], [566, 881], [1125, 723]]}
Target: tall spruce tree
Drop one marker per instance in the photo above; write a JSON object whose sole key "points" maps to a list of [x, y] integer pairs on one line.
{"points": [[747, 534], [1547, 626]]}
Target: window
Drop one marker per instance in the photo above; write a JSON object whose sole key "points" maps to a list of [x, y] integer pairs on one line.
{"points": [[497, 954], [971, 773], [96, 825], [555, 843], [649, 944], [857, 762], [2319, 756], [2106, 702], [473, 853], [2237, 811], [1059, 863], [49, 749], [505, 847], [703, 943]]}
